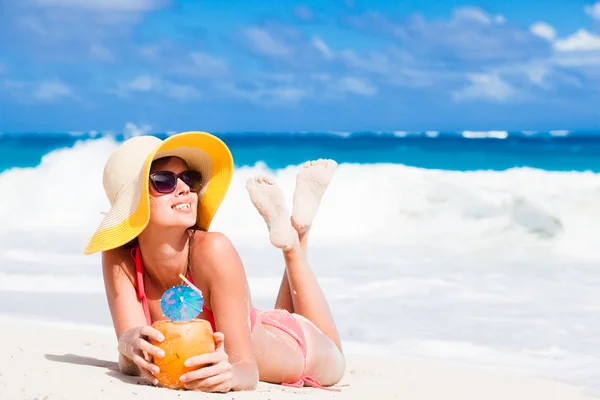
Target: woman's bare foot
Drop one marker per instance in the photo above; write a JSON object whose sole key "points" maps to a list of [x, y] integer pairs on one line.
{"points": [[311, 183], [268, 199]]}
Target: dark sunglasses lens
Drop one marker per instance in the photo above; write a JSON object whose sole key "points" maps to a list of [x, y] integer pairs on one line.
{"points": [[164, 182], [193, 179]]}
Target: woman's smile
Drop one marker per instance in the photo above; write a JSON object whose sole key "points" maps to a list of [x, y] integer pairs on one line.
{"points": [[183, 207]]}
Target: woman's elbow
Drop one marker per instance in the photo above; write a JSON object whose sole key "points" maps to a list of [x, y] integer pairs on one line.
{"points": [[245, 377], [127, 366]]}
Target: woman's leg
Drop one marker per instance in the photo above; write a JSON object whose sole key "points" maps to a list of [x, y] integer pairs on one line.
{"points": [[267, 198], [311, 183], [303, 289], [284, 297]]}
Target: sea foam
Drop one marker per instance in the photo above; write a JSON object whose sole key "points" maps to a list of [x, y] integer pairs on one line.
{"points": [[57, 205]]}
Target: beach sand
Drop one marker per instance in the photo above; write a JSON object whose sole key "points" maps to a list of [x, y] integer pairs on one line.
{"points": [[51, 362]]}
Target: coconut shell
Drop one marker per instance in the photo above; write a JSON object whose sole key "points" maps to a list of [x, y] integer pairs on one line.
{"points": [[183, 339]]}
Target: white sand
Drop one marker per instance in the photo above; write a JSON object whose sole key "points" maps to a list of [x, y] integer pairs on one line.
{"points": [[51, 362]]}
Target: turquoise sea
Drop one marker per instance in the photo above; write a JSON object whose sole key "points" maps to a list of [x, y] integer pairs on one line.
{"points": [[499, 150]]}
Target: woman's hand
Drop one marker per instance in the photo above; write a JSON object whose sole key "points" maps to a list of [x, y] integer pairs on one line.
{"points": [[215, 373], [134, 342]]}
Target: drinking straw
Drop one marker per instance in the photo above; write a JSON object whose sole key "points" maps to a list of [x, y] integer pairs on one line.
{"points": [[190, 284]]}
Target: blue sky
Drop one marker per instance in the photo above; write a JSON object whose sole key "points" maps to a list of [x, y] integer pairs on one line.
{"points": [[349, 65]]}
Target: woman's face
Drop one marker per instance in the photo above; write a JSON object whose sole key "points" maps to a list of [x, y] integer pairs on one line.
{"points": [[175, 209]]}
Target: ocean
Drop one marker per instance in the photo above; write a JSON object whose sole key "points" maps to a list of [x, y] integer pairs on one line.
{"points": [[478, 247], [558, 150]]}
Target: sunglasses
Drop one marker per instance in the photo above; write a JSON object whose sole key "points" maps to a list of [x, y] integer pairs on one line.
{"points": [[166, 181]]}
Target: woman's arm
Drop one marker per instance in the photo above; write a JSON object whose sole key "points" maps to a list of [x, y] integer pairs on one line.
{"points": [[217, 262], [126, 311]]}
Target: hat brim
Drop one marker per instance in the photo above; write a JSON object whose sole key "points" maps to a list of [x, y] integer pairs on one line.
{"points": [[130, 213]]}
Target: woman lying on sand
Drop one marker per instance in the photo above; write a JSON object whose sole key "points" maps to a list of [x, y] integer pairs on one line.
{"points": [[163, 196]]}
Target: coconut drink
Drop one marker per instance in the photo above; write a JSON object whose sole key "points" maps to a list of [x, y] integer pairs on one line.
{"points": [[185, 336]]}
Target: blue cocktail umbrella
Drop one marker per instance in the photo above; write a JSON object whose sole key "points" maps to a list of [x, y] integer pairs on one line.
{"points": [[181, 303]]}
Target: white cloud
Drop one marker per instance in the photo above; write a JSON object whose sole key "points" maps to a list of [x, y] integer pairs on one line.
{"points": [[101, 53], [543, 30], [263, 43], [473, 14], [470, 36], [105, 5], [304, 13], [263, 95], [141, 83], [371, 62], [485, 86], [580, 50], [593, 10], [278, 77], [130, 130], [208, 66], [178, 91], [322, 47], [357, 86], [145, 83], [73, 31], [34, 25], [537, 71], [320, 76], [51, 90], [28, 92], [582, 40], [150, 52], [396, 67], [476, 14], [578, 59], [194, 64], [281, 90], [416, 77], [499, 19], [291, 94]]}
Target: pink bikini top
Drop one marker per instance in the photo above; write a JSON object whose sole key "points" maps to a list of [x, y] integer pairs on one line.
{"points": [[141, 294]]}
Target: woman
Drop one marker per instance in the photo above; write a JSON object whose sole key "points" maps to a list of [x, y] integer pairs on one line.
{"points": [[163, 197]]}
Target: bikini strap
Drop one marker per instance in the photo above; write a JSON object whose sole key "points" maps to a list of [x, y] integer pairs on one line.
{"points": [[139, 274], [312, 381], [136, 254]]}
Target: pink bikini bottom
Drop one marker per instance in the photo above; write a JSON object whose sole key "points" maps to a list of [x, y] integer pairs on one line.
{"points": [[285, 321]]}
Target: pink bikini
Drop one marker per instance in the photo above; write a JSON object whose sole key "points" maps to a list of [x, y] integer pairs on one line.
{"points": [[280, 319]]}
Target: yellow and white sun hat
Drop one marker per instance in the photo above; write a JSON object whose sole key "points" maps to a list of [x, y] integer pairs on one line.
{"points": [[126, 180]]}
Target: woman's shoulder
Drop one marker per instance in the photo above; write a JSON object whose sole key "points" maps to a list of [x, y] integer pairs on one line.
{"points": [[119, 259], [210, 249], [212, 242]]}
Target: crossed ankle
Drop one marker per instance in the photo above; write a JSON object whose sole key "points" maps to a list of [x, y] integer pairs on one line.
{"points": [[294, 250]]}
